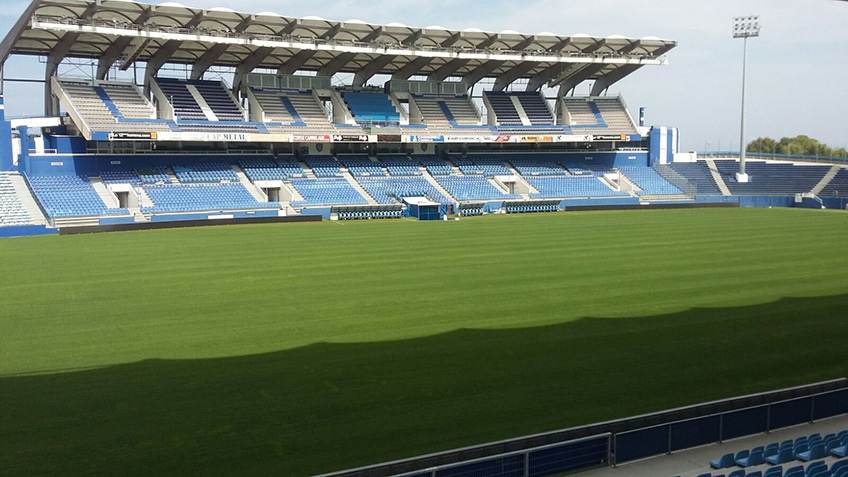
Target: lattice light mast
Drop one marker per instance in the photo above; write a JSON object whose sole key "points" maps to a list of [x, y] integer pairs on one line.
{"points": [[744, 28]]}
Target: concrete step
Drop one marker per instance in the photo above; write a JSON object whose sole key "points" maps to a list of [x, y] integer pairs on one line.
{"points": [[433, 182], [254, 191], [364, 193], [108, 198], [826, 180], [26, 197], [722, 186]]}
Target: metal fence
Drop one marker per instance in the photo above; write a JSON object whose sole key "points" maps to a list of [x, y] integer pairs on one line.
{"points": [[772, 156], [626, 440]]}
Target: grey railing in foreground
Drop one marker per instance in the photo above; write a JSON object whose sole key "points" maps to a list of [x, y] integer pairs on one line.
{"points": [[431, 464]]}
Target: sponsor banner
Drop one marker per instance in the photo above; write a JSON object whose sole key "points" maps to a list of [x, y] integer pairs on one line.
{"points": [[221, 137], [132, 136], [395, 138], [427, 139], [477, 139], [313, 138], [535, 139], [610, 137], [573, 138], [351, 138]]}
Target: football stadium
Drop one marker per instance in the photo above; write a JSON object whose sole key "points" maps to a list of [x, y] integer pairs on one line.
{"points": [[254, 244]]}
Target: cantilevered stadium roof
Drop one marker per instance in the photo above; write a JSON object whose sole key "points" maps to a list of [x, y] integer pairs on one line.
{"points": [[123, 32]]}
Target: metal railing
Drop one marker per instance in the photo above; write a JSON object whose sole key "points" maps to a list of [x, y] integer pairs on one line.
{"points": [[773, 156], [431, 465]]}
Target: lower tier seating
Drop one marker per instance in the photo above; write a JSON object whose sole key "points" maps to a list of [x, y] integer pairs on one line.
{"points": [[650, 181], [698, 174], [69, 196], [391, 190], [201, 197], [583, 186], [470, 188], [329, 191], [772, 178]]}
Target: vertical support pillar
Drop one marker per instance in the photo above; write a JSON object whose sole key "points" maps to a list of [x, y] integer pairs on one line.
{"points": [[23, 158], [6, 162]]}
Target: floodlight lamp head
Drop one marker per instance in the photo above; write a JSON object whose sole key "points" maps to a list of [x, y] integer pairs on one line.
{"points": [[746, 27]]}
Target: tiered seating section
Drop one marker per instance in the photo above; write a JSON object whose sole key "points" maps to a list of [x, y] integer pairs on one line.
{"points": [[649, 181], [12, 210], [208, 106], [370, 108], [790, 453], [194, 183], [70, 196], [698, 174], [106, 106], [443, 113], [838, 187], [772, 178]]}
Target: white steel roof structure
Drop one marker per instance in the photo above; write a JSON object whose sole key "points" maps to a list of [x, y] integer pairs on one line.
{"points": [[123, 32]]}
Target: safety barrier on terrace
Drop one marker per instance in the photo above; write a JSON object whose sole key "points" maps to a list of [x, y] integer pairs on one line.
{"points": [[626, 440]]}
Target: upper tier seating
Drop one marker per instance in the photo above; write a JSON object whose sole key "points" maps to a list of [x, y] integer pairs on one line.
{"points": [[371, 107], [184, 104], [504, 109], [269, 169], [200, 197], [838, 187], [772, 178], [360, 165], [334, 191], [69, 196], [219, 99], [12, 210], [204, 171], [186, 107], [698, 174], [442, 113], [536, 108], [112, 106], [563, 187], [389, 190], [650, 181], [471, 188], [603, 115], [400, 165]]}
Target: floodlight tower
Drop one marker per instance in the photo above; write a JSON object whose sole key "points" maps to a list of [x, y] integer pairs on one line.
{"points": [[744, 27]]}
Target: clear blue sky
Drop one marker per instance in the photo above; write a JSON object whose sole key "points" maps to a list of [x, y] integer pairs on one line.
{"points": [[798, 69]]}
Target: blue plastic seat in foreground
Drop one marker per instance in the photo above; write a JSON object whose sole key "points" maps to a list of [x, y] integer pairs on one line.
{"points": [[774, 472], [816, 452], [737, 473], [785, 455], [755, 458]]}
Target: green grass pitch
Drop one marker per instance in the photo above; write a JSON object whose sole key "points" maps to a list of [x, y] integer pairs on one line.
{"points": [[306, 348]]}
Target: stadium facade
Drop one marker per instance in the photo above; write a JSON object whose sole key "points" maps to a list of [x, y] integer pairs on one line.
{"points": [[281, 139]]}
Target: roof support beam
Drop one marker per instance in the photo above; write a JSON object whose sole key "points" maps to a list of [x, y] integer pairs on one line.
{"points": [[377, 33], [138, 51], [452, 40], [115, 50], [249, 64], [447, 69], [54, 59], [414, 37], [371, 69], [158, 60], [488, 42], [336, 64], [663, 50], [570, 81], [296, 62], [604, 82], [554, 71], [412, 68], [507, 78], [561, 45], [481, 72], [628, 48]]}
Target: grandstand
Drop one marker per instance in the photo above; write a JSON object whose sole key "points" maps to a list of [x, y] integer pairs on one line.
{"points": [[316, 347]]}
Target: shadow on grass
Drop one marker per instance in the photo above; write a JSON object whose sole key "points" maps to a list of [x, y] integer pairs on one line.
{"points": [[330, 406]]}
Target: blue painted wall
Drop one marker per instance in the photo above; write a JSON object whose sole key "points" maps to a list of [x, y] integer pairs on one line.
{"points": [[26, 231]]}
